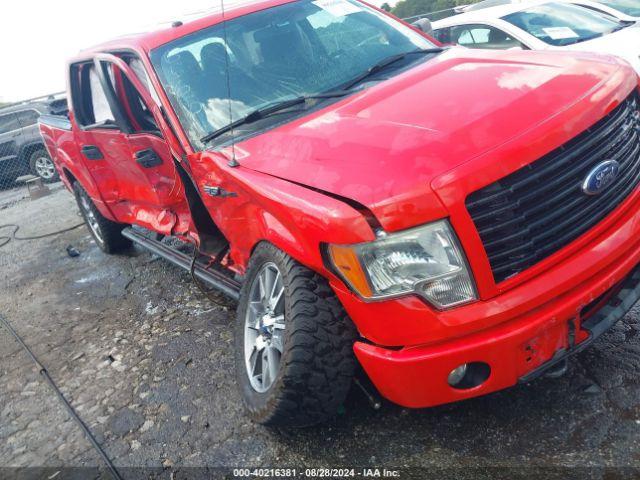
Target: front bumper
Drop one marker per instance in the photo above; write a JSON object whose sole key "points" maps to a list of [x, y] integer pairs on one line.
{"points": [[609, 312], [417, 377]]}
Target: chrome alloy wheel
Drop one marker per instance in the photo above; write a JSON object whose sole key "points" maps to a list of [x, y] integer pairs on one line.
{"points": [[264, 328], [44, 167], [92, 221]]}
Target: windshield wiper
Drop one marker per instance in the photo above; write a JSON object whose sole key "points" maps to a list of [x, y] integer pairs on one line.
{"points": [[586, 39], [384, 63], [622, 24], [265, 112]]}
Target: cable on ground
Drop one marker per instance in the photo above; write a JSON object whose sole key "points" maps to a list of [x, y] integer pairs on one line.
{"points": [[43, 371], [6, 239]]}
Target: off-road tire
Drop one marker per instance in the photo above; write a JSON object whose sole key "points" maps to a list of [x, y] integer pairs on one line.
{"points": [[108, 234], [36, 156], [317, 364]]}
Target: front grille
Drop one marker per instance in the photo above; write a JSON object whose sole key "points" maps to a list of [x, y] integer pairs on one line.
{"points": [[534, 212]]}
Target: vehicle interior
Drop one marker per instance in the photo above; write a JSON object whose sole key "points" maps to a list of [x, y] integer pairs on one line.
{"points": [[478, 36]]}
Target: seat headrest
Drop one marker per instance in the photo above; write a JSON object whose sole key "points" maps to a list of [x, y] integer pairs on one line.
{"points": [[213, 57], [276, 41], [184, 63]]}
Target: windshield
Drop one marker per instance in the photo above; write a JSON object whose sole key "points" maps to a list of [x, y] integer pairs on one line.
{"points": [[563, 24], [297, 49], [628, 7]]}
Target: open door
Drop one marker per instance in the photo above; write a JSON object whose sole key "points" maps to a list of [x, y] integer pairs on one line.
{"points": [[151, 191]]}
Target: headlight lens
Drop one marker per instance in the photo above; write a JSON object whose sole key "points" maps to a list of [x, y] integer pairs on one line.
{"points": [[426, 260]]}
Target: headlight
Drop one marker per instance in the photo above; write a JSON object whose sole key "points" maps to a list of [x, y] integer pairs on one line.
{"points": [[426, 260]]}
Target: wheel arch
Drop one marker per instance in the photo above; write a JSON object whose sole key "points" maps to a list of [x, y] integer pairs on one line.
{"points": [[282, 237], [71, 176]]}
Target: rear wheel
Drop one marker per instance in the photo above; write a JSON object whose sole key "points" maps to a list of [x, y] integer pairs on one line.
{"points": [[41, 165], [294, 357], [106, 233]]}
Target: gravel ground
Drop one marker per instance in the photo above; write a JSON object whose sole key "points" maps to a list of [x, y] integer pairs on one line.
{"points": [[11, 194], [147, 362]]}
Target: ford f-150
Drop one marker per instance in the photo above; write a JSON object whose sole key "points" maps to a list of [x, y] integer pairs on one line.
{"points": [[443, 222]]}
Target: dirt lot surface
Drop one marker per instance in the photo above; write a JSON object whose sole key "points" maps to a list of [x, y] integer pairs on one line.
{"points": [[147, 362]]}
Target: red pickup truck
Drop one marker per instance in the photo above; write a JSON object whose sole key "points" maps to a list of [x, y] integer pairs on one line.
{"points": [[442, 222]]}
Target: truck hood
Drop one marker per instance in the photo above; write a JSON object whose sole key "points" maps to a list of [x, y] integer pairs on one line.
{"points": [[383, 146]]}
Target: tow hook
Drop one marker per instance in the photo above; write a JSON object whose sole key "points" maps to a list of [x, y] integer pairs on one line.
{"points": [[558, 370]]}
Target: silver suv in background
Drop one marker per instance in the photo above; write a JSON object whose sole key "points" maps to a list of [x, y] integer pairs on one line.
{"points": [[22, 149]]}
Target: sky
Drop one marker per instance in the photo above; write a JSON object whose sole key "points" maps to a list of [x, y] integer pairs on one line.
{"points": [[42, 35]]}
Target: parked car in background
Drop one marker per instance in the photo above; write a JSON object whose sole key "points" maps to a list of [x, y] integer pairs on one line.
{"points": [[457, 221], [621, 9], [625, 10], [542, 26], [22, 149]]}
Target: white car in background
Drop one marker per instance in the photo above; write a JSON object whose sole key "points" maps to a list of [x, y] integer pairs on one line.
{"points": [[626, 10], [542, 25]]}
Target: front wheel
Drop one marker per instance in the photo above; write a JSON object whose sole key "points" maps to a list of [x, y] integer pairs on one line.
{"points": [[293, 342], [106, 233]]}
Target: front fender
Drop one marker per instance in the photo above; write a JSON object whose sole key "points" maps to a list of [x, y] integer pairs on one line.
{"points": [[298, 221], [294, 218]]}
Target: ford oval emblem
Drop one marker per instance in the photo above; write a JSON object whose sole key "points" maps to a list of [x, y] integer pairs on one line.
{"points": [[600, 177]]}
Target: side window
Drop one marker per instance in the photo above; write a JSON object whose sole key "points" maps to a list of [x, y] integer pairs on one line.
{"points": [[137, 111], [138, 68], [91, 104], [89, 100], [472, 37], [8, 123], [100, 105], [28, 118], [483, 36]]}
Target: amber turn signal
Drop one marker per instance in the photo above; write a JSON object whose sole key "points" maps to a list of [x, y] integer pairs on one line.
{"points": [[345, 259]]}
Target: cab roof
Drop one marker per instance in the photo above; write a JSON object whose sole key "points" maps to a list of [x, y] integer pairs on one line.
{"points": [[180, 27]]}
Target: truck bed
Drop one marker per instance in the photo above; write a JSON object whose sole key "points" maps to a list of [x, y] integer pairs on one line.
{"points": [[60, 122]]}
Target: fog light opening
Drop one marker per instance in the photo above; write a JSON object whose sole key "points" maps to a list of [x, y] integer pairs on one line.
{"points": [[469, 375]]}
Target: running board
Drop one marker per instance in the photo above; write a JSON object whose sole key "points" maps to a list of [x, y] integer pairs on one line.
{"points": [[217, 280]]}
